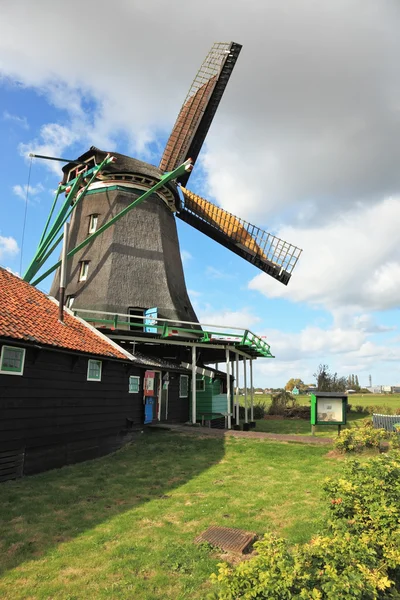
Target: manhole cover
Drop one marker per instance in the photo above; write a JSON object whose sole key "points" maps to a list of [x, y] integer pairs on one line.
{"points": [[227, 538]]}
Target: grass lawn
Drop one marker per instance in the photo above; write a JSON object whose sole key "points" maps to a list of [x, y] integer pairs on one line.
{"points": [[123, 526], [302, 426]]}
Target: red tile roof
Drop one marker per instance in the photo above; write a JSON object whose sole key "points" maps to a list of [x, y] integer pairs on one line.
{"points": [[28, 314]]}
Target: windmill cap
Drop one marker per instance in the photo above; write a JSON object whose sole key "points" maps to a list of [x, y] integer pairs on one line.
{"points": [[122, 164]]}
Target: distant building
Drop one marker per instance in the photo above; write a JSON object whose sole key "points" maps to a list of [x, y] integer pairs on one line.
{"points": [[295, 391], [375, 389]]}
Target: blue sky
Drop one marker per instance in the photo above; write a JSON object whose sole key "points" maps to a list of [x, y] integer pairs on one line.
{"points": [[305, 144]]}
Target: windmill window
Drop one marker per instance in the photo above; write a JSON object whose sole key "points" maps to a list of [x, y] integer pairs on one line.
{"points": [[70, 301], [84, 270], [94, 370], [134, 383], [183, 386], [93, 220], [200, 385], [12, 360]]}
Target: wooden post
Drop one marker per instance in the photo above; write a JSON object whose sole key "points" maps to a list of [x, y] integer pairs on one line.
{"points": [[251, 392], [246, 415], [237, 390], [194, 404], [228, 386]]}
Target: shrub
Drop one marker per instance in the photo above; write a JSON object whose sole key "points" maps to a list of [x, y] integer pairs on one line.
{"points": [[357, 556], [301, 412], [281, 402], [356, 439], [259, 411]]}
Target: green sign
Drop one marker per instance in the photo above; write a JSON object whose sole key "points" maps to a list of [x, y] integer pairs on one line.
{"points": [[328, 408]]}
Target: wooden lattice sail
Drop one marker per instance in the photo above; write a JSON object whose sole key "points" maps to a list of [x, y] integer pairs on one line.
{"points": [[200, 106], [266, 251]]}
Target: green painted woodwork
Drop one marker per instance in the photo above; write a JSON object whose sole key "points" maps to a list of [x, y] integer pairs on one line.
{"points": [[42, 252], [210, 403], [164, 179], [319, 403], [257, 345]]}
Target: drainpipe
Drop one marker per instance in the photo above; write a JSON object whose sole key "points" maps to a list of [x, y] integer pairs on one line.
{"points": [[63, 274]]}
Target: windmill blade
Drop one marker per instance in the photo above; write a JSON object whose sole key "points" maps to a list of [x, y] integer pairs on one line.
{"points": [[199, 107], [264, 250]]}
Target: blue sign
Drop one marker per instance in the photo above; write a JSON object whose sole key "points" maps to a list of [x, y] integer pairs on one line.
{"points": [[151, 319]]}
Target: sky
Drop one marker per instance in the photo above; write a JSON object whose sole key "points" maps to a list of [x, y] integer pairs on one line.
{"points": [[305, 144]]}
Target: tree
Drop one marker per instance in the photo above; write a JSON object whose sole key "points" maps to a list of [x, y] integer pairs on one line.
{"points": [[295, 383], [329, 382]]}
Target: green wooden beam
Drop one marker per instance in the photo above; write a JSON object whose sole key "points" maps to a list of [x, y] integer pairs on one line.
{"points": [[63, 214], [186, 166]]}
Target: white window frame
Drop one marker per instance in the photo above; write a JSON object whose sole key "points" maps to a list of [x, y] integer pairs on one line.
{"points": [[8, 371], [93, 222], [92, 360], [187, 386], [138, 384], [203, 386], [84, 270], [70, 301]]}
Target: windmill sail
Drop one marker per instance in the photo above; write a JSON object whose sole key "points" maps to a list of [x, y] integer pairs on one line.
{"points": [[264, 250], [199, 107]]}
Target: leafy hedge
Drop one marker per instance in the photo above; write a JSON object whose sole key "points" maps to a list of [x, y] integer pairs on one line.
{"points": [[357, 439], [379, 409], [356, 556]]}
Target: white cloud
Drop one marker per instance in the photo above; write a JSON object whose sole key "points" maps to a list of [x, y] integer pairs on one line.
{"points": [[345, 350], [8, 247], [20, 190], [21, 121], [352, 261], [53, 140], [194, 293], [214, 273], [243, 318], [306, 122], [186, 257]]}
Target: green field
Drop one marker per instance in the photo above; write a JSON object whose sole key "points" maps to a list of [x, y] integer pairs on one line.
{"points": [[123, 526], [391, 400]]}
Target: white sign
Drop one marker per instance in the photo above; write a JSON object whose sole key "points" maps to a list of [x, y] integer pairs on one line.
{"points": [[329, 409]]}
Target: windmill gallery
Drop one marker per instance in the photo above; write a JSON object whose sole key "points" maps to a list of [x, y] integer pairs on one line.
{"points": [[127, 350]]}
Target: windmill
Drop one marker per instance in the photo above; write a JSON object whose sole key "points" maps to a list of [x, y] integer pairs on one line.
{"points": [[135, 266]]}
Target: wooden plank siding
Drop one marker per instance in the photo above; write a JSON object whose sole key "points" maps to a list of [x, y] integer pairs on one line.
{"points": [[55, 416], [178, 408]]}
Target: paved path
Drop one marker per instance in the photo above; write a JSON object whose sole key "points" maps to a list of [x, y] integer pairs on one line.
{"points": [[283, 437]]}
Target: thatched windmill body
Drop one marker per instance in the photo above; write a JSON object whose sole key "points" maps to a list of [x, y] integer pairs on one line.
{"points": [[135, 265]]}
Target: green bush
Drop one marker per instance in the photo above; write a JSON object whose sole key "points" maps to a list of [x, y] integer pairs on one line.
{"points": [[357, 439], [259, 411], [281, 402], [356, 556]]}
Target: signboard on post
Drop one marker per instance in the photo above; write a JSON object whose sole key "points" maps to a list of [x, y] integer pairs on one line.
{"points": [[328, 408]]}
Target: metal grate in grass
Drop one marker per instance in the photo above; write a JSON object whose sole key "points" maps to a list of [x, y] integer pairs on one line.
{"points": [[227, 538]]}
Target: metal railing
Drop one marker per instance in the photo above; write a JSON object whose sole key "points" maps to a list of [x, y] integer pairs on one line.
{"points": [[166, 328]]}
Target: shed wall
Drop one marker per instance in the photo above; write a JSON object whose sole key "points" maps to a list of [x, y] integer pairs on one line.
{"points": [[55, 416]]}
